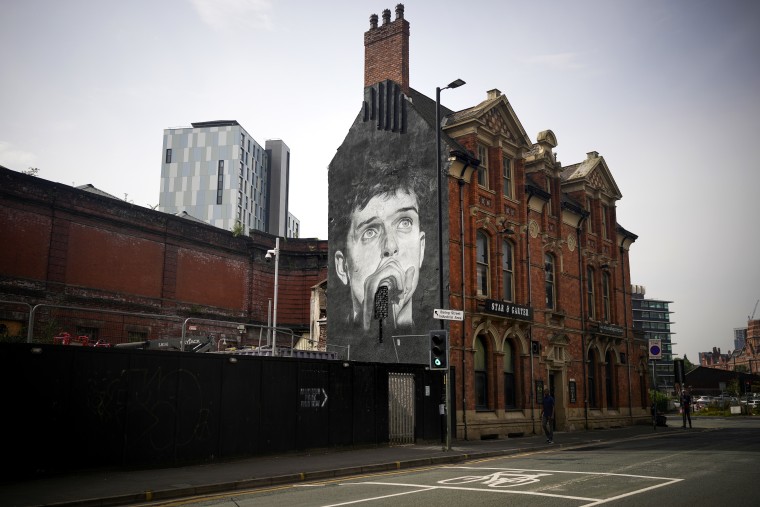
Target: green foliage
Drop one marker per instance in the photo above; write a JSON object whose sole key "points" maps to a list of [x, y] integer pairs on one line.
{"points": [[733, 387], [237, 229], [660, 399]]}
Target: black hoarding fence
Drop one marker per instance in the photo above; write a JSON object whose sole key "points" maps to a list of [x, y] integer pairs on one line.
{"points": [[70, 408]]}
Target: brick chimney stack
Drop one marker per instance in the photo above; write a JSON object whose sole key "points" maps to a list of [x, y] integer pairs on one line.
{"points": [[386, 50]]}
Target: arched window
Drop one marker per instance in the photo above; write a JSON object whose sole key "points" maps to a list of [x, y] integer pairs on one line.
{"points": [[609, 380], [590, 293], [591, 383], [507, 271], [606, 296], [482, 264], [510, 397], [551, 296], [481, 374]]}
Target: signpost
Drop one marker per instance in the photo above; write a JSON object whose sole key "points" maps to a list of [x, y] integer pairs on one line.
{"points": [[443, 314], [655, 353], [655, 349]]}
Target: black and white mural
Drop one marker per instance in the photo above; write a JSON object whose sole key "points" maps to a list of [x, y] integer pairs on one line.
{"points": [[383, 232]]}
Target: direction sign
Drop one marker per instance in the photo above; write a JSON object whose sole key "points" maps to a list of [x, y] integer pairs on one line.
{"points": [[655, 348], [443, 314]]}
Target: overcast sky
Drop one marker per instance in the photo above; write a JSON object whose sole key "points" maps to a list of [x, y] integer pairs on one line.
{"points": [[668, 91]]}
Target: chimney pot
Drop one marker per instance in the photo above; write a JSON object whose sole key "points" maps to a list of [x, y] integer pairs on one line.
{"points": [[386, 50]]}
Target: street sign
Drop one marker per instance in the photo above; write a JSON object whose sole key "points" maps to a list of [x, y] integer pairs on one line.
{"points": [[448, 314], [655, 348]]}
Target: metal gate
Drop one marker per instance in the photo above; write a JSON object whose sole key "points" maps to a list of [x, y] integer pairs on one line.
{"points": [[401, 408]]}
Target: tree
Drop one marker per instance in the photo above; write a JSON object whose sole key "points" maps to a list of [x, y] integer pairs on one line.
{"points": [[687, 365]]}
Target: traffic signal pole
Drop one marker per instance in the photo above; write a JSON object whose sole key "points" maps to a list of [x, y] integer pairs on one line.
{"points": [[439, 360], [447, 381]]}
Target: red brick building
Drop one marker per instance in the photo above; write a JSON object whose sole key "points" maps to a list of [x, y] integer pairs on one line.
{"points": [[533, 255], [71, 247]]}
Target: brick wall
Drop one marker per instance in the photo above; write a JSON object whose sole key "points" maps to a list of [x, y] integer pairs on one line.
{"points": [[386, 50], [73, 246]]}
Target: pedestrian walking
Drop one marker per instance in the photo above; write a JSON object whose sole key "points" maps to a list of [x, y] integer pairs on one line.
{"points": [[686, 407], [547, 416]]}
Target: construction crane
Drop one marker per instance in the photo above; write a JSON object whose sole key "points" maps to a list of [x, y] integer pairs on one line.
{"points": [[753, 311]]}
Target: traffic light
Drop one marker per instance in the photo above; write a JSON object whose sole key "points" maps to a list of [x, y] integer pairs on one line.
{"points": [[439, 349]]}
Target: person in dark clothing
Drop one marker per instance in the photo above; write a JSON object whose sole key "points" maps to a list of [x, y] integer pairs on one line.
{"points": [[547, 416], [686, 407]]}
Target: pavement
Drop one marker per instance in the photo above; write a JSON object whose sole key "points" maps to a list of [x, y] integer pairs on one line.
{"points": [[125, 487]]}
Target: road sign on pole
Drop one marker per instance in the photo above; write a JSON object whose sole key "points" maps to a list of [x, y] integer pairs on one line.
{"points": [[444, 314], [655, 348]]}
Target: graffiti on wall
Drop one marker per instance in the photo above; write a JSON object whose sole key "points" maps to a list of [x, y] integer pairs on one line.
{"points": [[382, 282]]}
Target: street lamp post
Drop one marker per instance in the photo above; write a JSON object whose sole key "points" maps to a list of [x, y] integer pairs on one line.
{"points": [[276, 254], [454, 84]]}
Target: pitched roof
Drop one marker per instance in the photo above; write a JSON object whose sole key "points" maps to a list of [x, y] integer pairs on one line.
{"points": [[425, 106], [594, 172], [94, 190], [495, 98]]}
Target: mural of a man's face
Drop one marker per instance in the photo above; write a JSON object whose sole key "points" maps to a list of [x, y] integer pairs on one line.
{"points": [[384, 247]]}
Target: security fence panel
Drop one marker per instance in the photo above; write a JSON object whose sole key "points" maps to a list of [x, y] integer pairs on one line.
{"points": [[279, 389], [152, 381], [313, 398], [364, 404], [197, 406], [240, 406], [340, 404], [96, 403], [401, 408]]}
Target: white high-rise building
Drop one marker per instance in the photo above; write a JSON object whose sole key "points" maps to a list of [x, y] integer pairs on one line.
{"points": [[216, 172]]}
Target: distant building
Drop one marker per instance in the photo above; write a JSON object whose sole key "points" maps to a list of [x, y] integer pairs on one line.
{"points": [[652, 316], [294, 226], [216, 172], [740, 337], [746, 353], [278, 190]]}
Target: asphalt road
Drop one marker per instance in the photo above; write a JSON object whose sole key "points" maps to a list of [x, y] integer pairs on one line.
{"points": [[716, 463]]}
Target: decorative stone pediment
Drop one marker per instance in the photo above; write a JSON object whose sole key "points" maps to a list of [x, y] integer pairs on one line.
{"points": [[495, 121], [593, 176], [556, 352]]}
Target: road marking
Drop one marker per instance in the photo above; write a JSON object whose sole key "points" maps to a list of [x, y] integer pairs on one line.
{"points": [[481, 490], [567, 472], [496, 479], [631, 493], [420, 489]]}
